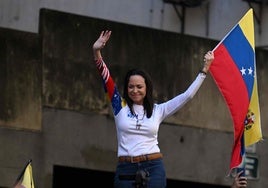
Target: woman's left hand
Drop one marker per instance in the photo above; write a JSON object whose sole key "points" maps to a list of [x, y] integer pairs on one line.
{"points": [[208, 59]]}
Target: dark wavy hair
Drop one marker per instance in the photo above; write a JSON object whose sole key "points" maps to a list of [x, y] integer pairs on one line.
{"points": [[148, 100]]}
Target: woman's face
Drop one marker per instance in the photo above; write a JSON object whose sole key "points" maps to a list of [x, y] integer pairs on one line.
{"points": [[136, 89]]}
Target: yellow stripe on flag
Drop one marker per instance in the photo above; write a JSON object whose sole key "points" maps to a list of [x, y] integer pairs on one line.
{"points": [[253, 131], [27, 180], [247, 26]]}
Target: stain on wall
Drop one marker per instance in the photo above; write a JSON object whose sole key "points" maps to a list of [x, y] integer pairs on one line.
{"points": [[20, 79]]}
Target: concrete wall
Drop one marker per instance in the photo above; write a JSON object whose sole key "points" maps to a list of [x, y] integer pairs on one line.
{"points": [[212, 19], [20, 79], [77, 128], [88, 141]]}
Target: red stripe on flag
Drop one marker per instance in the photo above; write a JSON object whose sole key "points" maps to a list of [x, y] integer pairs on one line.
{"points": [[232, 86]]}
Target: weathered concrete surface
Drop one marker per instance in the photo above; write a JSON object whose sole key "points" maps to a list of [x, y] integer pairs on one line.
{"points": [[20, 79]]}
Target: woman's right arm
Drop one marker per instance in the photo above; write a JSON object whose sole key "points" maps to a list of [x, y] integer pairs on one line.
{"points": [[101, 66], [109, 85]]}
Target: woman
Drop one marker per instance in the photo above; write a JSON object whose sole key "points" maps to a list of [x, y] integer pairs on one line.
{"points": [[137, 120]]}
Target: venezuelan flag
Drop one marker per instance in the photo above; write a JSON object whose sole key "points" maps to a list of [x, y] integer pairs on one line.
{"points": [[234, 71], [25, 179]]}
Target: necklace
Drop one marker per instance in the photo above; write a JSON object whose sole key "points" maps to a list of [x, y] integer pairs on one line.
{"points": [[139, 121]]}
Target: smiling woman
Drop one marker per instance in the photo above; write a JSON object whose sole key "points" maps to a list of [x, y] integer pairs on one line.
{"points": [[136, 88], [137, 120]]}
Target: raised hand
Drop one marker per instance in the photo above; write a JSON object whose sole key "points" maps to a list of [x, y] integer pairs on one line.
{"points": [[208, 59], [239, 181], [101, 41]]}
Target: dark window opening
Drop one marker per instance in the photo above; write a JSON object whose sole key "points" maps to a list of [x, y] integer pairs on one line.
{"points": [[78, 177]]}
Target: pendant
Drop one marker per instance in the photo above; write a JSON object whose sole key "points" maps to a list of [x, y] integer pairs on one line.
{"points": [[138, 126]]}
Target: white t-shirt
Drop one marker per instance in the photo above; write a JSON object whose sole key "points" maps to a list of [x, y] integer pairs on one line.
{"points": [[137, 134]]}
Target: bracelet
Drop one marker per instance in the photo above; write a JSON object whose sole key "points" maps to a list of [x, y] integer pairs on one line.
{"points": [[203, 72]]}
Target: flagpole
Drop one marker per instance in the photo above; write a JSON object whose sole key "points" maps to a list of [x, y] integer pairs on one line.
{"points": [[224, 38], [226, 35], [242, 166]]}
